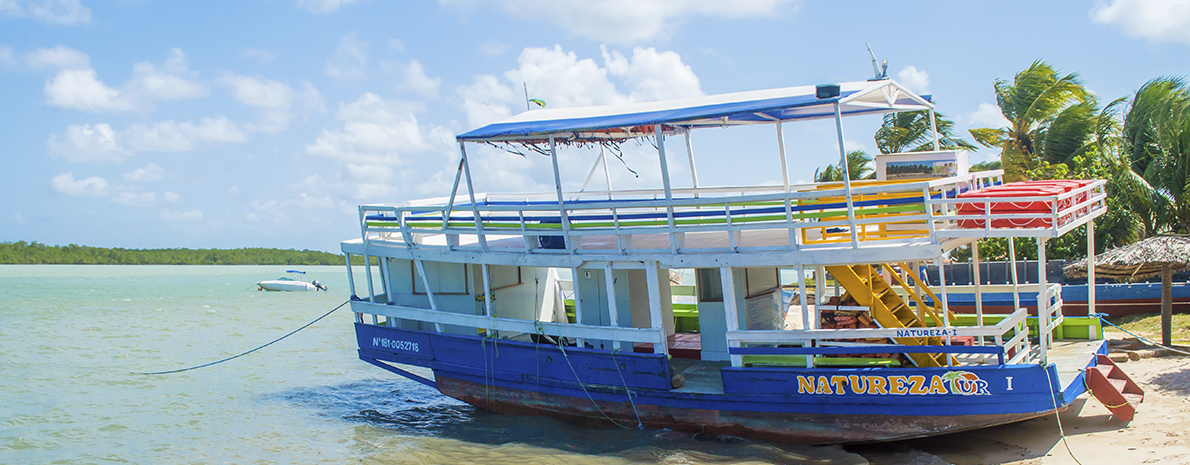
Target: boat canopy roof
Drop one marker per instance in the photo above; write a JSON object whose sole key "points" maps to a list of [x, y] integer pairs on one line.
{"points": [[627, 121]]}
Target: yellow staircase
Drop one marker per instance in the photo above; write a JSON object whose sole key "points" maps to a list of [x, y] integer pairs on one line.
{"points": [[868, 288]]}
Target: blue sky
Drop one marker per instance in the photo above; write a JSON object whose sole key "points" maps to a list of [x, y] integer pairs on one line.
{"points": [[144, 124]]}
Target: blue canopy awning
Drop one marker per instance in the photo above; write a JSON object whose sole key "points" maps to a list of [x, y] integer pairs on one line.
{"points": [[615, 122]]}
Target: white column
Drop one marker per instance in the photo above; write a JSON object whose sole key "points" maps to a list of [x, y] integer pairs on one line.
{"points": [[613, 314], [1016, 292], [846, 178], [731, 310], [669, 209], [801, 290], [662, 345], [1043, 302], [483, 241], [978, 283], [690, 156], [1093, 335], [565, 218]]}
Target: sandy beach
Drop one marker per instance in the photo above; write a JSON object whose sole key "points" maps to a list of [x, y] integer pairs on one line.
{"points": [[1160, 433]]}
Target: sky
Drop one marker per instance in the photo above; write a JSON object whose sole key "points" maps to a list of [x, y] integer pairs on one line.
{"points": [[266, 123]]}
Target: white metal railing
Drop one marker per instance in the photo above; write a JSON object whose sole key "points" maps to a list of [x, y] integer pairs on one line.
{"points": [[491, 323], [807, 216], [1017, 344], [1063, 213]]}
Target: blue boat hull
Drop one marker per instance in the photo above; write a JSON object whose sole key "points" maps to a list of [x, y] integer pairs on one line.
{"points": [[805, 405]]}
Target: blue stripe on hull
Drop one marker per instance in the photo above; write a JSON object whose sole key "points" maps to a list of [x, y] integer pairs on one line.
{"points": [[541, 379]]}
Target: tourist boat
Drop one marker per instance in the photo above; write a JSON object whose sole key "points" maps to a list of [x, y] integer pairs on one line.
{"points": [[560, 303], [286, 283]]}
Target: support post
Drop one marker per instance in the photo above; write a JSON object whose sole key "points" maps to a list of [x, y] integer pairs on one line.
{"points": [[421, 271], [669, 208], [613, 314], [487, 297], [1016, 292], [731, 310], [578, 302], [690, 156], [450, 204], [846, 178], [350, 277], [483, 241], [662, 345], [561, 203], [934, 130], [1091, 332], [978, 275], [801, 290], [1043, 302]]}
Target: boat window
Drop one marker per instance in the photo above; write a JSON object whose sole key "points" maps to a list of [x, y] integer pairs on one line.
{"points": [[444, 278], [503, 276], [761, 280], [710, 287]]}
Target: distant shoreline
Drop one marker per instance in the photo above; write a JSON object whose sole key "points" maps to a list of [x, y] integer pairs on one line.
{"points": [[35, 253]]}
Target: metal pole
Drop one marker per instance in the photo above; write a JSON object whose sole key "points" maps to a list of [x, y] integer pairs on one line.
{"points": [[662, 345], [1043, 300], [934, 129], [801, 290], [561, 202], [978, 282], [846, 177], [350, 278], [613, 314], [731, 312], [1016, 292], [487, 297], [690, 156], [784, 163], [1091, 270], [450, 204], [483, 241], [669, 208]]}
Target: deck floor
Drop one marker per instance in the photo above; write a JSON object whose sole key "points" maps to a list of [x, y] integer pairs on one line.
{"points": [[1071, 357]]}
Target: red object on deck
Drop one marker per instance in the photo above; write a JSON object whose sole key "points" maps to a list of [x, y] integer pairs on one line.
{"points": [[681, 345], [1114, 388], [1043, 206]]}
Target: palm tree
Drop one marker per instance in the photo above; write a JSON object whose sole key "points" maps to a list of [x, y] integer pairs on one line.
{"points": [[1156, 140], [1050, 120], [909, 131], [857, 165]]}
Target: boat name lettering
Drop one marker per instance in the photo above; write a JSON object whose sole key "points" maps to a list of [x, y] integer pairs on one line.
{"points": [[952, 382], [926, 332], [395, 344]]}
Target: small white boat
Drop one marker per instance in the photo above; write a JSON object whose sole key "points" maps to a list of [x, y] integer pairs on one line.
{"points": [[286, 283]]}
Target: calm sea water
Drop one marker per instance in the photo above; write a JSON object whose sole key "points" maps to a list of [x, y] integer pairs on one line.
{"points": [[73, 337]]}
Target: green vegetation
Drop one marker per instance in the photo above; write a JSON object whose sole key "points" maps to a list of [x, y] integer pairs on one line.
{"points": [[1149, 326], [27, 253]]}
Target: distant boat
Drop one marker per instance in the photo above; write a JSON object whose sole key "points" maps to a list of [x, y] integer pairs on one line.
{"points": [[286, 283]]}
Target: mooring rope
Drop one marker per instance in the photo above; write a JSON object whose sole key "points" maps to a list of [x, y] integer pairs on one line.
{"points": [[1101, 318], [639, 425], [307, 325], [1061, 431]]}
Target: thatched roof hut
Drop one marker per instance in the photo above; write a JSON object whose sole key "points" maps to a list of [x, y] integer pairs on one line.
{"points": [[1148, 257]]}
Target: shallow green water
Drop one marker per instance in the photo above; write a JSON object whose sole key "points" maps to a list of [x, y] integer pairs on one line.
{"points": [[72, 338]]}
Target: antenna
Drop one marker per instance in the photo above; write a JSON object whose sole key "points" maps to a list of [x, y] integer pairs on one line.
{"points": [[880, 72]]}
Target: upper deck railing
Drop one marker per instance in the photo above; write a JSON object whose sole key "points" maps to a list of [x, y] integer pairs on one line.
{"points": [[736, 220]]}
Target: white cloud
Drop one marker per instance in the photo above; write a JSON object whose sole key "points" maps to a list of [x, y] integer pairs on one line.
{"points": [[273, 98], [259, 54], [6, 55], [493, 48], [171, 197], [86, 143], [312, 99], [378, 131], [414, 78], [633, 21], [653, 75], [67, 12], [916, 80], [186, 216], [150, 82], [1152, 20], [321, 7], [57, 57], [396, 44], [91, 187], [349, 58], [135, 199], [988, 115], [149, 173], [170, 136], [562, 80], [80, 89]]}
